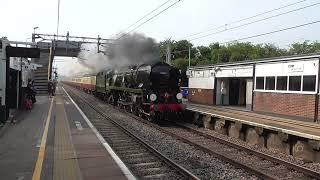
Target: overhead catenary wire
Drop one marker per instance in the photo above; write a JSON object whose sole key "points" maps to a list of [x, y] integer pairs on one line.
{"points": [[146, 15], [272, 32], [136, 27], [263, 34], [256, 21], [244, 19]]}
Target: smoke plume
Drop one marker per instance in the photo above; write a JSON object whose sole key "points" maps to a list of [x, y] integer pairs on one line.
{"points": [[132, 49]]}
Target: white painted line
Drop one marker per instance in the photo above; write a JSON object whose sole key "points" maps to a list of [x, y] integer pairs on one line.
{"points": [[78, 124], [67, 102], [122, 166], [297, 133]]}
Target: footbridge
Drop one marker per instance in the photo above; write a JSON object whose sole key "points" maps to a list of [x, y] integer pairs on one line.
{"points": [[52, 45]]}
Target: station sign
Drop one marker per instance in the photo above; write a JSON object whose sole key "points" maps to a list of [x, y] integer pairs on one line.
{"points": [[242, 71], [295, 67], [15, 63]]}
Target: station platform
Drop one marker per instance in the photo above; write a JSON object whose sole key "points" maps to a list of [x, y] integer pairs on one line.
{"points": [[55, 140], [289, 136], [295, 127]]}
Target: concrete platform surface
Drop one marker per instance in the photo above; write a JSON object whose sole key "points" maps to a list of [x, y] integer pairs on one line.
{"points": [[298, 128], [56, 141]]}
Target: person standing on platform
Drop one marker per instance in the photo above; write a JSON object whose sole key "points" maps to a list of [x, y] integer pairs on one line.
{"points": [[31, 91], [50, 85], [54, 85]]}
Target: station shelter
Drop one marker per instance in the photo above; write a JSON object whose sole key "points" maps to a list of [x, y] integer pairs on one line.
{"points": [[234, 86], [285, 86], [14, 68]]}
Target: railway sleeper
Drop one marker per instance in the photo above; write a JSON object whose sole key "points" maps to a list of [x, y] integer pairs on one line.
{"points": [[154, 171], [141, 160], [148, 165]]}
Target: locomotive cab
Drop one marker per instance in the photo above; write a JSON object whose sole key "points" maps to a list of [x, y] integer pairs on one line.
{"points": [[165, 92]]}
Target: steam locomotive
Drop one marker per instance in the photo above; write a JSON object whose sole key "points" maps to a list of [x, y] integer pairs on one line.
{"points": [[151, 91]]}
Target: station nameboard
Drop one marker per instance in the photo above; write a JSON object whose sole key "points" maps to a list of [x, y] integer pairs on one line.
{"points": [[23, 52], [239, 71]]}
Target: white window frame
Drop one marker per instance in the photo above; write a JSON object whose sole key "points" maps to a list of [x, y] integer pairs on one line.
{"points": [[265, 83], [316, 85], [285, 91], [255, 83]]}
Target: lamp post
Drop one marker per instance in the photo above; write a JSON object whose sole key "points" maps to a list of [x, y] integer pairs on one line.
{"points": [[34, 32], [34, 29]]}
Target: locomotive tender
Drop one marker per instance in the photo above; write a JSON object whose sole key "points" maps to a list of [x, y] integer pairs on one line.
{"points": [[152, 91]]}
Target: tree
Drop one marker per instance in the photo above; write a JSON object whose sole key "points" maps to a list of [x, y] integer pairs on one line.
{"points": [[183, 64], [181, 49], [233, 52], [304, 48], [204, 53], [163, 48]]}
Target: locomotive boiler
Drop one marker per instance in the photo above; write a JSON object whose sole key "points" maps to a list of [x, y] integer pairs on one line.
{"points": [[152, 91]]}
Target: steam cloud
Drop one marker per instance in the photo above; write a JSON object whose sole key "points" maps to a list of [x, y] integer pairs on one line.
{"points": [[131, 49]]}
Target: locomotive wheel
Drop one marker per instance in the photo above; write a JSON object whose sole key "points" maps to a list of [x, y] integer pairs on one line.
{"points": [[136, 111], [140, 113], [154, 118]]}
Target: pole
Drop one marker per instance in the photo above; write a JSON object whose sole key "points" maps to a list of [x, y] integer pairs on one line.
{"points": [[98, 44], [18, 83], [168, 60], [189, 56], [58, 18]]}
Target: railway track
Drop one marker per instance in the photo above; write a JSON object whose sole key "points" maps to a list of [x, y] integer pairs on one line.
{"points": [[262, 165], [144, 161]]}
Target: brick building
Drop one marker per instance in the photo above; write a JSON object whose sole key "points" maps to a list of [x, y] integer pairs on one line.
{"points": [[285, 86]]}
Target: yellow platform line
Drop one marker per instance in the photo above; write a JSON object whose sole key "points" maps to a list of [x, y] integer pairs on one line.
{"points": [[38, 168]]}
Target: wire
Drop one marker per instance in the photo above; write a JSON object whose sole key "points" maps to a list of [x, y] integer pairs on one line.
{"points": [[249, 23], [272, 32], [263, 34], [146, 15], [148, 20], [240, 20]]}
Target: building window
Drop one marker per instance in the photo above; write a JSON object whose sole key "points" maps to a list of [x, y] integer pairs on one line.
{"points": [[295, 83], [309, 83], [282, 83], [260, 83], [270, 83]]}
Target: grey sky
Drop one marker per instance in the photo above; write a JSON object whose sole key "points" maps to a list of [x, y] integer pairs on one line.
{"points": [[107, 17]]}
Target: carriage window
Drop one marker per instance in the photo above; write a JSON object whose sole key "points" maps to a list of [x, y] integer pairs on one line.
{"points": [[309, 83], [282, 82], [270, 83], [260, 83], [295, 83]]}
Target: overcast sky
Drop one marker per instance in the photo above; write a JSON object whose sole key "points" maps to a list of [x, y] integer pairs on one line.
{"points": [[107, 17]]}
